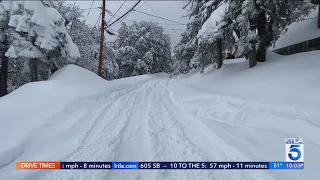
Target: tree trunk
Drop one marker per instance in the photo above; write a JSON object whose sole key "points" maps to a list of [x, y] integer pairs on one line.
{"points": [[4, 68], [263, 36], [219, 52], [4, 76], [34, 70], [262, 52], [253, 56], [53, 68]]}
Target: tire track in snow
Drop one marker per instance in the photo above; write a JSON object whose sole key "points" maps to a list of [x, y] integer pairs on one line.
{"points": [[135, 142], [175, 135], [52, 126], [255, 143], [97, 125], [171, 142], [240, 113], [252, 138], [283, 111], [216, 148], [102, 147], [62, 127], [107, 117]]}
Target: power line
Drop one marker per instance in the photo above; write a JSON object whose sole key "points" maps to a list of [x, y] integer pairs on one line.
{"points": [[145, 2], [154, 11], [98, 19], [140, 7], [127, 15], [172, 29], [132, 9], [158, 17], [116, 11], [124, 18], [89, 10], [99, 15]]}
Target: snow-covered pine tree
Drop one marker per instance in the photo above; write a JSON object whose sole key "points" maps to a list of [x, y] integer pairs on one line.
{"points": [[211, 37], [87, 39], [110, 66], [242, 24], [262, 21], [184, 51], [71, 12], [126, 57], [187, 53], [4, 19], [246, 19], [37, 34], [84, 36], [142, 48]]}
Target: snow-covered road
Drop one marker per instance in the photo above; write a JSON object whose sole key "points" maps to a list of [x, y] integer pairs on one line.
{"points": [[146, 122]]}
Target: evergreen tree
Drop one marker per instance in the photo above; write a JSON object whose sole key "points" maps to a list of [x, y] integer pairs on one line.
{"points": [[87, 39], [211, 37], [36, 35], [262, 22], [110, 66], [142, 48], [243, 28], [71, 12], [41, 35], [188, 53], [4, 20]]}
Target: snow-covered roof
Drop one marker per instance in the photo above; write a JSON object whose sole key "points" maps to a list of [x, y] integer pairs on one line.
{"points": [[300, 31]]}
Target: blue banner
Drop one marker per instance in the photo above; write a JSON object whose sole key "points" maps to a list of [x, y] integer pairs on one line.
{"points": [[125, 165], [183, 165], [204, 165], [286, 165], [85, 165]]}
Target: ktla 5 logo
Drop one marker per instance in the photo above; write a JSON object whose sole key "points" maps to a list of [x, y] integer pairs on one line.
{"points": [[294, 150]]}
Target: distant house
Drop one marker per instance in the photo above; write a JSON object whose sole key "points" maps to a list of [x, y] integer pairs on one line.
{"points": [[301, 36]]}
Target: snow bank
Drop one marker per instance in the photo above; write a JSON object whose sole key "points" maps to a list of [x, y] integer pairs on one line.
{"points": [[284, 79], [28, 111], [91, 83], [300, 31], [76, 75], [19, 108]]}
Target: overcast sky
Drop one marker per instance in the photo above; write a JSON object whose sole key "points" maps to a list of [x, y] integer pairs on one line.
{"points": [[167, 9]]}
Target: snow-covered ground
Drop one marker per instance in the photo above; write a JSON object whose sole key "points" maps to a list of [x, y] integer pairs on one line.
{"points": [[232, 114]]}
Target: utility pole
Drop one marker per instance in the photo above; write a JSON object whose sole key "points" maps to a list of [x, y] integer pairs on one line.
{"points": [[102, 37]]}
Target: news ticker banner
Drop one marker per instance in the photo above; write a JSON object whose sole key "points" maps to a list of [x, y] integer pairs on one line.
{"points": [[160, 165]]}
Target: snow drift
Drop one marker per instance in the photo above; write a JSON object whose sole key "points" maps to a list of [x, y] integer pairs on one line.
{"points": [[31, 106]]}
